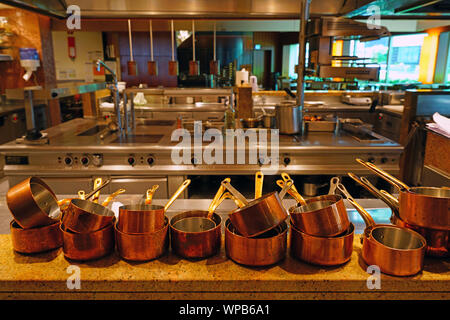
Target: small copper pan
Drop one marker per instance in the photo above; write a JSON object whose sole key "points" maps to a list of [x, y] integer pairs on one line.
{"points": [[197, 233], [324, 251], [396, 251], [263, 250], [83, 216], [33, 204], [142, 246], [144, 218], [88, 246], [259, 215], [35, 240]]}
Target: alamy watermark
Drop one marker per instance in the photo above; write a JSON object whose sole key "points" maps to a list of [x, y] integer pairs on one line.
{"points": [[374, 280], [231, 147], [73, 21], [374, 20], [74, 280]]}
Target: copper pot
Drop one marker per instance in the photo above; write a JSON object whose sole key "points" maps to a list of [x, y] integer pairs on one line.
{"points": [[33, 204], [200, 244], [260, 215], [324, 251], [427, 207], [144, 218], [142, 246], [84, 216], [37, 239], [396, 251], [88, 246], [263, 250]]}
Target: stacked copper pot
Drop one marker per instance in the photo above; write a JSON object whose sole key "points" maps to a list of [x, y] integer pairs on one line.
{"points": [[321, 232], [256, 232], [36, 213]]}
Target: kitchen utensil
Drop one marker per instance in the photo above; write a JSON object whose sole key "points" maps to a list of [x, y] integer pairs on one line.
{"points": [[259, 180], [396, 251], [90, 245], [333, 185], [83, 216], [250, 123], [311, 189], [37, 239], [150, 193], [152, 65], [33, 204], [324, 251], [427, 207], [142, 246], [288, 117], [194, 69], [131, 64], [214, 64], [112, 196], [259, 215], [144, 218], [173, 64], [263, 250], [438, 241], [97, 183], [82, 195]]}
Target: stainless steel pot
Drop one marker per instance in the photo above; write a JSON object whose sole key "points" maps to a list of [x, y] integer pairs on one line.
{"points": [[288, 117]]}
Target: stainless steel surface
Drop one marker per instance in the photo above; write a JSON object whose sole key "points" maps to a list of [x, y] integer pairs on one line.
{"points": [[343, 27], [234, 9], [392, 97], [304, 17]]}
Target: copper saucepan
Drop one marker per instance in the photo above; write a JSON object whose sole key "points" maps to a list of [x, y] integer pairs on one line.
{"points": [[142, 246], [33, 204], [438, 241], [260, 215], [323, 216], [144, 218], [427, 207], [396, 251], [88, 246], [197, 234], [324, 251], [263, 250], [37, 239]]}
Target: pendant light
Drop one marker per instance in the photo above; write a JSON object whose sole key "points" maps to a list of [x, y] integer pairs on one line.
{"points": [[173, 64], [214, 65], [152, 65], [194, 69], [131, 64]]}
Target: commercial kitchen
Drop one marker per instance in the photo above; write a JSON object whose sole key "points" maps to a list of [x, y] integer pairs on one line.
{"points": [[269, 150]]}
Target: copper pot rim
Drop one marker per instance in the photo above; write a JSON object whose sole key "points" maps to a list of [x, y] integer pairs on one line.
{"points": [[348, 233], [139, 234], [282, 225], [13, 224], [108, 212], [411, 191], [65, 230], [256, 201], [335, 198], [205, 213], [414, 233]]}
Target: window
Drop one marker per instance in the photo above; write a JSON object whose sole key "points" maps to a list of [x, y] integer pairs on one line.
{"points": [[375, 51], [290, 59]]}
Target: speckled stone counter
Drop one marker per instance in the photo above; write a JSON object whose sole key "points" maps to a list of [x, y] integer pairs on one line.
{"points": [[44, 276]]}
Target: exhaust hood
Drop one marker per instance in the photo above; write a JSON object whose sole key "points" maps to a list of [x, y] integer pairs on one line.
{"points": [[52, 8]]}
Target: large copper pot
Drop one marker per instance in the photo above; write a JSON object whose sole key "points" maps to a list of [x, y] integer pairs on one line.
{"points": [[84, 216], [427, 207], [325, 251], [142, 246], [32, 203], [396, 251], [88, 246], [37, 239], [263, 250]]}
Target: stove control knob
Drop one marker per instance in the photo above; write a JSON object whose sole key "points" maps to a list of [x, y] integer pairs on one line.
{"points": [[85, 160], [131, 161], [287, 160], [150, 161], [384, 160], [371, 160], [97, 160], [68, 160]]}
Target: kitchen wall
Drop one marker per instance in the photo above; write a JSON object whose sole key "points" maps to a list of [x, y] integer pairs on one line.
{"points": [[88, 45]]}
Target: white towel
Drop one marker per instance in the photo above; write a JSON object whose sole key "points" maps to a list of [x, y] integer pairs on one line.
{"points": [[441, 125]]}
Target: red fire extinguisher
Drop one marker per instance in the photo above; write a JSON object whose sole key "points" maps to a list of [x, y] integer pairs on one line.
{"points": [[71, 45]]}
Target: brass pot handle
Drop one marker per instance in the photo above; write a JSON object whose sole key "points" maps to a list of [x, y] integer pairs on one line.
{"points": [[259, 179], [333, 185], [82, 195], [97, 183], [287, 186], [218, 195], [177, 193], [286, 178], [112, 196], [368, 220], [150, 193], [383, 174], [234, 192], [297, 196]]}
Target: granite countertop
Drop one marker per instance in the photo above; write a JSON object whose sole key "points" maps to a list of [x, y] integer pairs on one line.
{"points": [[44, 276]]}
